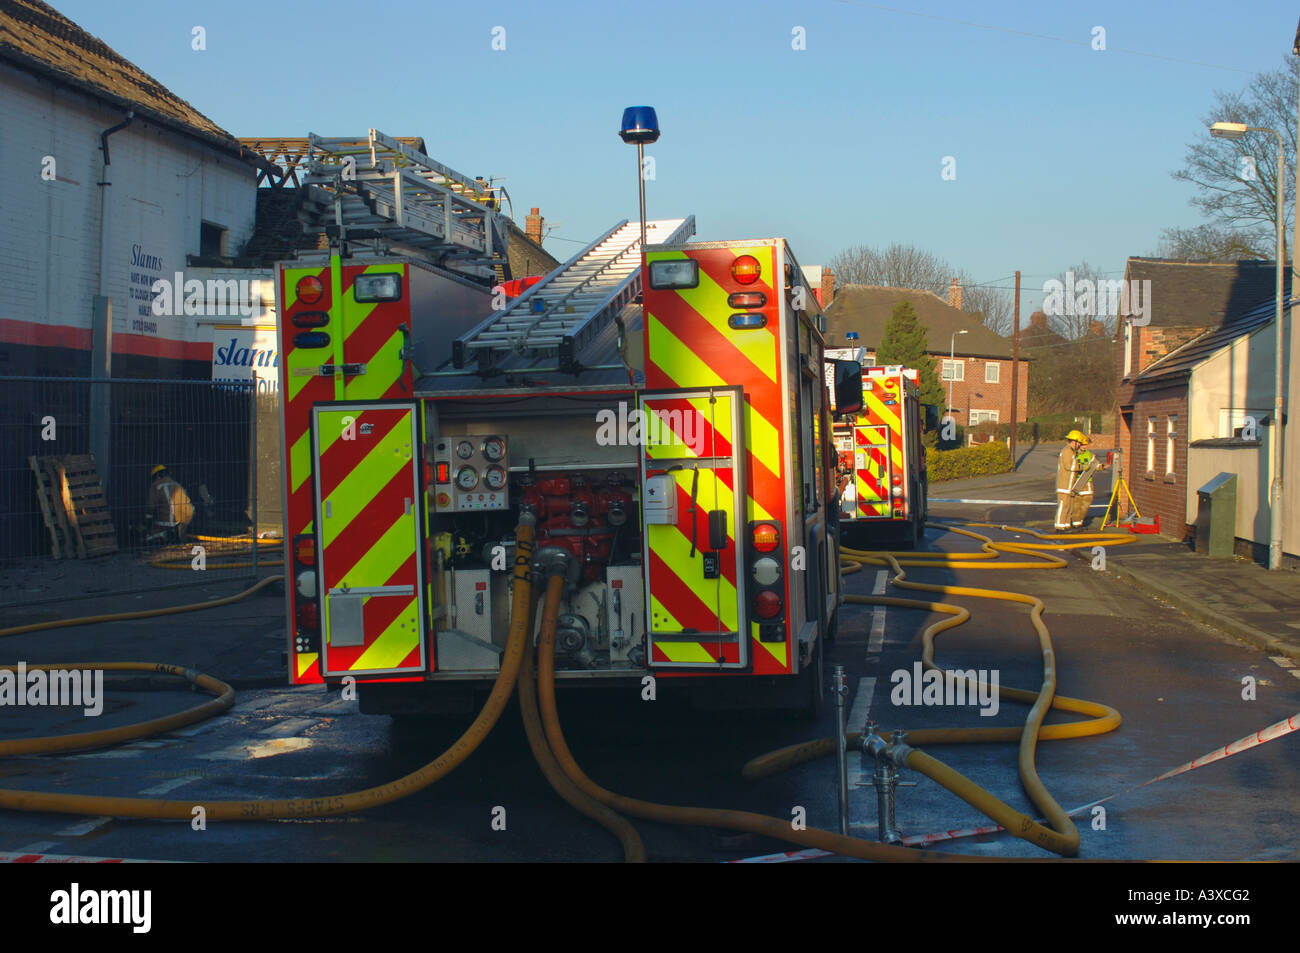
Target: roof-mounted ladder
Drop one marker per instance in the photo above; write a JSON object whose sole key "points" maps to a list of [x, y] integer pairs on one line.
{"points": [[561, 314], [379, 187]]}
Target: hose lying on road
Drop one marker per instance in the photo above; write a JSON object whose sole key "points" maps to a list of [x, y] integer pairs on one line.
{"points": [[1062, 837], [270, 810], [221, 558]]}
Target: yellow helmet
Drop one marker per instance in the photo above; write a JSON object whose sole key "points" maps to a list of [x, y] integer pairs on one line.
{"points": [[1076, 435], [156, 470]]}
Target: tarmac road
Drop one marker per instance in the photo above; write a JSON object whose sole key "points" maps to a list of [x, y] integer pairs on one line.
{"points": [[1177, 684]]}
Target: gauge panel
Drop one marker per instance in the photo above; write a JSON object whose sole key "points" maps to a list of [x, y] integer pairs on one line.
{"points": [[471, 472]]}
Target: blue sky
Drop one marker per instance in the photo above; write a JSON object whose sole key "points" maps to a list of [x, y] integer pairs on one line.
{"points": [[1062, 153]]}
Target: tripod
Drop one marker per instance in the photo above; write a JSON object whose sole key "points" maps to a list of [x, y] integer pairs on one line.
{"points": [[1120, 483]]}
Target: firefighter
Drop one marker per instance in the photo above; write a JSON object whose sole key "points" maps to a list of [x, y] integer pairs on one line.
{"points": [[169, 509], [1071, 506]]}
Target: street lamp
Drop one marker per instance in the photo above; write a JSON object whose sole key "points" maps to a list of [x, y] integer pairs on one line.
{"points": [[640, 126], [952, 364], [1237, 130]]}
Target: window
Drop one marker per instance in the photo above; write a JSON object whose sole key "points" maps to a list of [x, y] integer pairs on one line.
{"points": [[991, 370], [983, 417], [1151, 446], [1128, 348], [953, 370], [1171, 438], [211, 238], [1233, 422]]}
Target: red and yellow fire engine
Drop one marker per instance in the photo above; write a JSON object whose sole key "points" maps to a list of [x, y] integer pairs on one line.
{"points": [[668, 428], [884, 488]]}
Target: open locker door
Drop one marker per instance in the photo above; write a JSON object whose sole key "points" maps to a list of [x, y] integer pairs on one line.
{"points": [[368, 502], [693, 477]]}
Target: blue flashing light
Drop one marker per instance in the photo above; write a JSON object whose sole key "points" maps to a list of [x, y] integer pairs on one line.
{"points": [[851, 336], [640, 125]]}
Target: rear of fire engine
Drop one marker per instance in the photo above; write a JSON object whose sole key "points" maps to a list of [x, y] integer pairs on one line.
{"points": [[882, 463], [671, 442]]}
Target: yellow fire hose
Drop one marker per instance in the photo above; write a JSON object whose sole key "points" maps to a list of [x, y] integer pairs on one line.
{"points": [[556, 761], [220, 558], [1062, 838], [270, 810]]}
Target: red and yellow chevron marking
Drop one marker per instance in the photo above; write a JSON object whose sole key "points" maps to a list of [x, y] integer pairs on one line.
{"points": [[369, 533], [688, 345], [359, 333], [872, 479]]}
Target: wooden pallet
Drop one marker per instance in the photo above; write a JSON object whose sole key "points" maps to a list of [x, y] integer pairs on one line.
{"points": [[76, 499], [51, 512]]}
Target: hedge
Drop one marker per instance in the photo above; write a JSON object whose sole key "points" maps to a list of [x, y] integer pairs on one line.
{"points": [[985, 459]]}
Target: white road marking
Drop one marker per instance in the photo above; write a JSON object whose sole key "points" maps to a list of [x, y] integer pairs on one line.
{"points": [[82, 828], [862, 702], [290, 727], [171, 784], [877, 640], [1282, 660]]}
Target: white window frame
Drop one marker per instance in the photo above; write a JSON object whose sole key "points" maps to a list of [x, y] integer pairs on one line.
{"points": [[1231, 419], [978, 417], [953, 370], [1151, 446], [994, 368], [1128, 347], [1171, 440]]}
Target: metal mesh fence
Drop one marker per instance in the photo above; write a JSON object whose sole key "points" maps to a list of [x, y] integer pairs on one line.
{"points": [[79, 508]]}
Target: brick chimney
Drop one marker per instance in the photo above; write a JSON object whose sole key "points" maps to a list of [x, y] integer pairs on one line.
{"points": [[954, 295], [1038, 320], [533, 225], [1097, 328], [828, 287]]}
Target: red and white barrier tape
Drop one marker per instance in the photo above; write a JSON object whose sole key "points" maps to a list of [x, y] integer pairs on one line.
{"points": [[1272, 732], [12, 858]]}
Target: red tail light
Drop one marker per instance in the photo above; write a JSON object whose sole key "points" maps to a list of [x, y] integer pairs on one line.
{"points": [[768, 604], [309, 289], [308, 615], [898, 480], [746, 269], [304, 550], [766, 537]]}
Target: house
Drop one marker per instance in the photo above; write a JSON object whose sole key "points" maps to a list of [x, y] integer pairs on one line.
{"points": [[981, 369], [125, 181], [1195, 391]]}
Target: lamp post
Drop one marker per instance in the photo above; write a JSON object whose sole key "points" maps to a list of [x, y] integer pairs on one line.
{"points": [[952, 365], [640, 126], [1237, 130]]}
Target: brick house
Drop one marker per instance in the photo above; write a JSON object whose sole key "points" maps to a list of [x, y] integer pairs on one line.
{"points": [[981, 371], [1196, 309]]}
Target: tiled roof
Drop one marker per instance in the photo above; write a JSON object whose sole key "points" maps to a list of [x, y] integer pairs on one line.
{"points": [[868, 308], [1180, 361], [1203, 294], [36, 37]]}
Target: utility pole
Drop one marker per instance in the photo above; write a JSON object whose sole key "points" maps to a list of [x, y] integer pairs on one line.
{"points": [[1015, 368]]}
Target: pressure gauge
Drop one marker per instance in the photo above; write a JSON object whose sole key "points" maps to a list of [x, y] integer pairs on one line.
{"points": [[495, 478], [464, 450], [467, 478], [494, 448]]}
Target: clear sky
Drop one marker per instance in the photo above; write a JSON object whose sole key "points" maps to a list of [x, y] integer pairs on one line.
{"points": [[1062, 152]]}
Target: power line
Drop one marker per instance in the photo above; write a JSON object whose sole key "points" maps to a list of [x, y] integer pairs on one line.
{"points": [[1041, 36]]}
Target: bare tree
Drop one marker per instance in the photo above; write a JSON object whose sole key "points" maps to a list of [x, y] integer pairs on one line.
{"points": [[992, 301], [1236, 180], [1212, 243], [1086, 297], [897, 266]]}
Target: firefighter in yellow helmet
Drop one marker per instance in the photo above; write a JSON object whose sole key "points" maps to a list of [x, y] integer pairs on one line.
{"points": [[1072, 502], [169, 508]]}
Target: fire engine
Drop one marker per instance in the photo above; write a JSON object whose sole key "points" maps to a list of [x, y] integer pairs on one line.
{"points": [[882, 462], [667, 426]]}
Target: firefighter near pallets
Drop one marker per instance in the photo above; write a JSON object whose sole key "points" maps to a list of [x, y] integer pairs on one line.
{"points": [[1075, 469]]}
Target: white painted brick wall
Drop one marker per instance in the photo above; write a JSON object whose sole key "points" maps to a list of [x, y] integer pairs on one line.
{"points": [[164, 186]]}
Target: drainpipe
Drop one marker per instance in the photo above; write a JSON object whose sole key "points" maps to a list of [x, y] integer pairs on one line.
{"points": [[101, 333]]}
